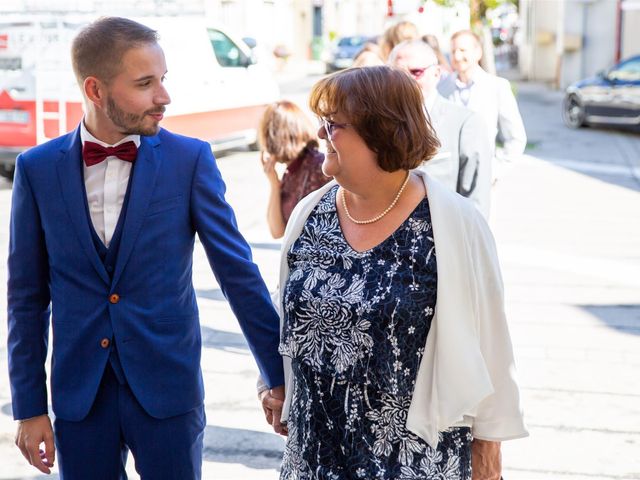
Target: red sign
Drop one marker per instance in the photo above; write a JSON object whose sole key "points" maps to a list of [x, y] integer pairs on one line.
{"points": [[5, 100], [4, 41]]}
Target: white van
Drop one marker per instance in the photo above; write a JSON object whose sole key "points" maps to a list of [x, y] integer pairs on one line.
{"points": [[218, 88]]}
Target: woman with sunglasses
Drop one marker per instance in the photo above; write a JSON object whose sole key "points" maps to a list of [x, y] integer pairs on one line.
{"points": [[398, 361]]}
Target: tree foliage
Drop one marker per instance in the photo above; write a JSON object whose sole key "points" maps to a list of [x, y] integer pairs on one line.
{"points": [[478, 7]]}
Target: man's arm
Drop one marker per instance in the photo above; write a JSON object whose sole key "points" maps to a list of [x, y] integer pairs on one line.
{"points": [[239, 278], [474, 173], [510, 123], [28, 301]]}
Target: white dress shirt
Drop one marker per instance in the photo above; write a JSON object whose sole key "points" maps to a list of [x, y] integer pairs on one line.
{"points": [[106, 186]]}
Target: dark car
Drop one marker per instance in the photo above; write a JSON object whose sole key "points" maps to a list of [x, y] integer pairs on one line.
{"points": [[344, 51], [611, 97]]}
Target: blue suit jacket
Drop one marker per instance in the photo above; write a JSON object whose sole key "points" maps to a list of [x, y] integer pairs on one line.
{"points": [[55, 272]]}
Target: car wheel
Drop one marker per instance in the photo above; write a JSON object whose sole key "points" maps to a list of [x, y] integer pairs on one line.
{"points": [[7, 171], [573, 112]]}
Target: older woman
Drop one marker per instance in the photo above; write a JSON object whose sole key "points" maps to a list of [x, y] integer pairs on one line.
{"points": [[286, 135], [398, 358]]}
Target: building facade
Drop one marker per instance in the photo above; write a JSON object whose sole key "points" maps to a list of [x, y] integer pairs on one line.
{"points": [[565, 40]]}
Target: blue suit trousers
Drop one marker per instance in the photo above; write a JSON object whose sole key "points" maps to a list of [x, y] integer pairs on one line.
{"points": [[96, 447]]}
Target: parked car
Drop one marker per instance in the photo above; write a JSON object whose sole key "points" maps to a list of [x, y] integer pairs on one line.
{"points": [[345, 50], [219, 90], [611, 97]]}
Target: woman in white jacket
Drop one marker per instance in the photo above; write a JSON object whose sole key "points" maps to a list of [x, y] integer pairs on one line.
{"points": [[397, 354]]}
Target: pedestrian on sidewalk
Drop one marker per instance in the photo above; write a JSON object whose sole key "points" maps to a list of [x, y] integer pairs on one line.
{"points": [[488, 95], [370, 55], [398, 356], [103, 225], [396, 34], [287, 136], [463, 162], [432, 41]]}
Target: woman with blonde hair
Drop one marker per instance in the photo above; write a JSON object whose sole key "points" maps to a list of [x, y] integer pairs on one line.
{"points": [[286, 135], [396, 34], [398, 361]]}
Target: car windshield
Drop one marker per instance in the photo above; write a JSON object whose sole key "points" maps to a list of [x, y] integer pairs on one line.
{"points": [[351, 41], [627, 71]]}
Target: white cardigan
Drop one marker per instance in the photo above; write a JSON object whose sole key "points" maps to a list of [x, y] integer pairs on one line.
{"points": [[467, 372]]}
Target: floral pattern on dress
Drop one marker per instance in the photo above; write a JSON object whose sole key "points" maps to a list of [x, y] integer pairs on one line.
{"points": [[355, 327]]}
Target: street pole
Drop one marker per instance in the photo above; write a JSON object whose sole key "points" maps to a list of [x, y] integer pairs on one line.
{"points": [[559, 42]]}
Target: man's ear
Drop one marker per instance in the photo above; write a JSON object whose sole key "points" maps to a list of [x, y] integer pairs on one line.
{"points": [[94, 91], [438, 72]]}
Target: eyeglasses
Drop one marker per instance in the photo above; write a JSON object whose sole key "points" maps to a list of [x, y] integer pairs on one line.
{"points": [[418, 72], [330, 126]]}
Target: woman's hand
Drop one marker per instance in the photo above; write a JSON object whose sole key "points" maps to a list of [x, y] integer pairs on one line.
{"points": [[268, 165], [486, 460]]}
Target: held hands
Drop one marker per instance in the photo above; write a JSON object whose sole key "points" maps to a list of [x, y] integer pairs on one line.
{"points": [[33, 432], [272, 403]]}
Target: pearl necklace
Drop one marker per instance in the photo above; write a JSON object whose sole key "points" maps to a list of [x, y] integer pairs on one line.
{"points": [[377, 217]]}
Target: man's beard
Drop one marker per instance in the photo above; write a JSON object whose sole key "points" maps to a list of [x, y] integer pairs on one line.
{"points": [[131, 123]]}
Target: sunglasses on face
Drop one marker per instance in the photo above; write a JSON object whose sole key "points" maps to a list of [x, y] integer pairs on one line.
{"points": [[418, 72], [330, 127]]}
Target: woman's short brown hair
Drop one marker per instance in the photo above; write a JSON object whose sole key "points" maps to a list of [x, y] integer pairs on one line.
{"points": [[386, 108], [285, 130]]}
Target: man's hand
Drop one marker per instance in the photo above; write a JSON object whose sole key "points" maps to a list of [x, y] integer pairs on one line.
{"points": [[272, 403], [31, 433], [486, 460]]}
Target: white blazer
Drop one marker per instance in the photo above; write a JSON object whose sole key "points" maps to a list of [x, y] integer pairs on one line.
{"points": [[467, 373], [491, 97]]}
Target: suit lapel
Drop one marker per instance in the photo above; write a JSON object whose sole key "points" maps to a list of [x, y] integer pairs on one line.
{"points": [[69, 167], [145, 173], [437, 113]]}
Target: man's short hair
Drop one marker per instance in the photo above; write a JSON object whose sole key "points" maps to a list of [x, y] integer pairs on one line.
{"points": [[386, 108], [462, 33], [98, 49], [419, 44]]}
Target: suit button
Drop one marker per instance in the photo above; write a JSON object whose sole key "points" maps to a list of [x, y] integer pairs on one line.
{"points": [[104, 343], [114, 298]]}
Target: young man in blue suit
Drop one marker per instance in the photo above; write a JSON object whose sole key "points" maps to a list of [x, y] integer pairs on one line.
{"points": [[103, 223]]}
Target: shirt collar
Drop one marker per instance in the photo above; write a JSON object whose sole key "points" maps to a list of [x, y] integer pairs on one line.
{"points": [[478, 72], [85, 136]]}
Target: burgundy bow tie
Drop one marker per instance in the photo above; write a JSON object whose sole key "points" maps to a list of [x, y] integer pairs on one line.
{"points": [[94, 153]]}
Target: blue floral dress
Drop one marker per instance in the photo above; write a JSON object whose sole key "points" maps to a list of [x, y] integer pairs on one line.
{"points": [[355, 327]]}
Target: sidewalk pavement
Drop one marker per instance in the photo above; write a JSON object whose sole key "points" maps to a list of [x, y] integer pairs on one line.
{"points": [[568, 232]]}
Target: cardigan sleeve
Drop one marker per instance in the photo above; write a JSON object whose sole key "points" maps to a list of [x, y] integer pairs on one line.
{"points": [[499, 416]]}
